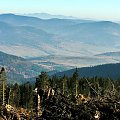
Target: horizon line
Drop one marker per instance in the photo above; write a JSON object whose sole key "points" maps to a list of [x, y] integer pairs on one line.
{"points": [[72, 17]]}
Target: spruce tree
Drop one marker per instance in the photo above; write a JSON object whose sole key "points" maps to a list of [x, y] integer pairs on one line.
{"points": [[42, 81], [75, 84], [3, 86], [64, 85]]}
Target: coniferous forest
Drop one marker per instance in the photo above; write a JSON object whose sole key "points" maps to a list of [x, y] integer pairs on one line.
{"points": [[54, 98], [59, 60]]}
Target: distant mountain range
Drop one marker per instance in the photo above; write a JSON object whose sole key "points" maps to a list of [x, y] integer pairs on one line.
{"points": [[110, 54], [65, 37], [49, 16], [64, 43]]}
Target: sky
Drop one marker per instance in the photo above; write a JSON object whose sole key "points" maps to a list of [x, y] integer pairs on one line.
{"points": [[97, 9]]}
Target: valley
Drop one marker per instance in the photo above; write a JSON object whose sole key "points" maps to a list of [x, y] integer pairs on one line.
{"points": [[56, 44]]}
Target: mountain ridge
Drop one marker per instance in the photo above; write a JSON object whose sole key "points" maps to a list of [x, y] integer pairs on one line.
{"points": [[105, 71], [49, 16]]}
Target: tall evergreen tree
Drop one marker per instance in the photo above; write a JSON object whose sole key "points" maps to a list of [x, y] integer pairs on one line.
{"points": [[75, 84], [42, 81], [3, 86], [64, 85], [16, 95], [28, 95]]}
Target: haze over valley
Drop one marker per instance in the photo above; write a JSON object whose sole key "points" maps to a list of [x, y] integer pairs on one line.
{"points": [[59, 44]]}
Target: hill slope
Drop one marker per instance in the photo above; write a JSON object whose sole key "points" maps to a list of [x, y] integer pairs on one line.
{"points": [[18, 69], [106, 70], [21, 70]]}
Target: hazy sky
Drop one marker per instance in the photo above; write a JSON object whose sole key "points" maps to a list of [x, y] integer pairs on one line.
{"points": [[100, 9]]}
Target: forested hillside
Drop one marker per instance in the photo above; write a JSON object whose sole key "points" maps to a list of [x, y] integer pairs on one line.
{"points": [[18, 69], [105, 71], [62, 98]]}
